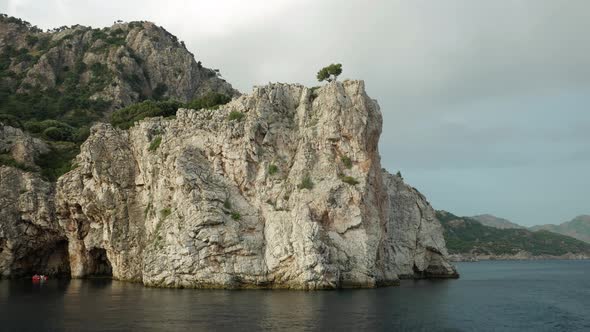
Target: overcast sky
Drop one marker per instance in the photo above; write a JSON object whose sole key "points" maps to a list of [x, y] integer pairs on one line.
{"points": [[485, 103]]}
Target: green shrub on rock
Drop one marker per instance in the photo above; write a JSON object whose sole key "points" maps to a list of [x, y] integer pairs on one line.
{"points": [[329, 73], [7, 160], [273, 169], [209, 100], [350, 180], [126, 117], [11, 120], [235, 115], [306, 183], [164, 213], [346, 161], [155, 144], [58, 160], [56, 134]]}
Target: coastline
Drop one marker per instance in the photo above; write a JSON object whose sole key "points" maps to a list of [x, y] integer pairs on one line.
{"points": [[520, 256]]}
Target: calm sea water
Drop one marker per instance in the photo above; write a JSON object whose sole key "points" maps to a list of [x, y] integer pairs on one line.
{"points": [[490, 296]]}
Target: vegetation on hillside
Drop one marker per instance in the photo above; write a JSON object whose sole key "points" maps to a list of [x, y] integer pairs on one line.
{"points": [[467, 236], [126, 117], [61, 112]]}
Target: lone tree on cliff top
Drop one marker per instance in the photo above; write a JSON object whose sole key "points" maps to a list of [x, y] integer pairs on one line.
{"points": [[330, 73]]}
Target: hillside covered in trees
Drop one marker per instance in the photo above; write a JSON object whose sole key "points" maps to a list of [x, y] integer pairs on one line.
{"points": [[56, 84]]}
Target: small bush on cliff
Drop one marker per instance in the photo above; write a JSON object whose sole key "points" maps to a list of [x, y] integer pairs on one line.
{"points": [[227, 204], [235, 115], [57, 134], [155, 144], [236, 215], [210, 100], [330, 73], [306, 183], [126, 117], [53, 130], [350, 180], [314, 93], [164, 213], [7, 160], [58, 161], [272, 169], [347, 162]]}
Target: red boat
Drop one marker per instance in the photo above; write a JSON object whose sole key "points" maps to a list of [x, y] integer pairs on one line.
{"points": [[41, 277]]}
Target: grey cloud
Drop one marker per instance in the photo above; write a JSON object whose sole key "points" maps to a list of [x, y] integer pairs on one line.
{"points": [[464, 85]]}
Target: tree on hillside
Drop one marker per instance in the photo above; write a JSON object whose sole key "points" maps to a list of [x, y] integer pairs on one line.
{"points": [[329, 73]]}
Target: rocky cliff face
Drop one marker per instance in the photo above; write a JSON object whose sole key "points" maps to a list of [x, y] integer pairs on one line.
{"points": [[31, 240], [415, 239], [282, 188]]}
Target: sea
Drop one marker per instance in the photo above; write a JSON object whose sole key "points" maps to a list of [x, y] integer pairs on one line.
{"points": [[489, 296]]}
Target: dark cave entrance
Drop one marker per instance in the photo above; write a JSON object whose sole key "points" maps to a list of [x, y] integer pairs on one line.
{"points": [[50, 259], [99, 264]]}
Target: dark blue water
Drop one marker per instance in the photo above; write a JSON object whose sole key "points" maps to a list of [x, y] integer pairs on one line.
{"points": [[490, 296]]}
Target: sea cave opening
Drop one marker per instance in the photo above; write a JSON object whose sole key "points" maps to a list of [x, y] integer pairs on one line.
{"points": [[50, 259], [99, 264]]}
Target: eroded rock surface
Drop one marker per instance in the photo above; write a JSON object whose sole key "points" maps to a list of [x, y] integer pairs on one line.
{"points": [[19, 147], [281, 188], [415, 237], [31, 240]]}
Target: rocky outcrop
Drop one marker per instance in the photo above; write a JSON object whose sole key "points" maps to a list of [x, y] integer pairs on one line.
{"points": [[415, 237], [31, 240], [19, 147], [282, 188]]}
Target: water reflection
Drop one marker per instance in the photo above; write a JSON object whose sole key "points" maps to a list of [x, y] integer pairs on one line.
{"points": [[509, 296], [103, 304]]}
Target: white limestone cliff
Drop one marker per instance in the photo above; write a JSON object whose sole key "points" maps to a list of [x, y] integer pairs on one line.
{"points": [[282, 188]]}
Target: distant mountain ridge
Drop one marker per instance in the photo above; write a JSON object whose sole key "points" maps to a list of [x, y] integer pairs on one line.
{"points": [[469, 239], [578, 228], [493, 221]]}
